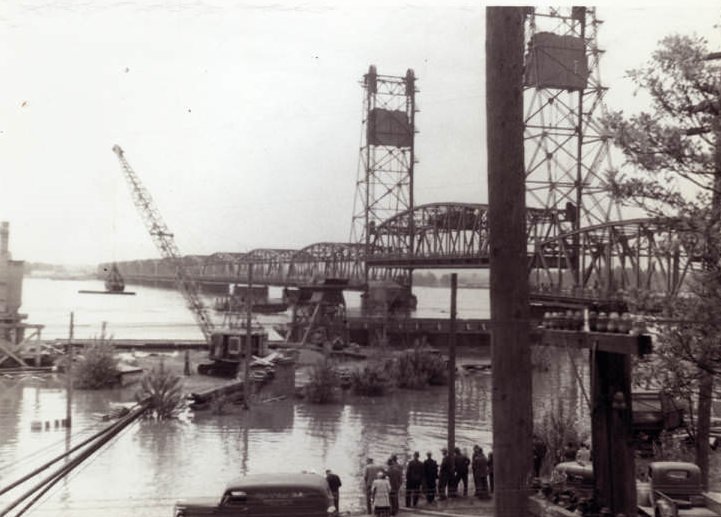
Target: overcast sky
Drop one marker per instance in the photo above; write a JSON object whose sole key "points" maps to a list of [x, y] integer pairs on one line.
{"points": [[243, 118]]}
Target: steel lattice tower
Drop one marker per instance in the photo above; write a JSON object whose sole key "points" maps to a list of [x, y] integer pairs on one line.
{"points": [[384, 186], [567, 151]]}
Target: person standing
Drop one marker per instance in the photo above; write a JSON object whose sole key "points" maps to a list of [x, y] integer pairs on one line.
{"points": [[539, 453], [395, 478], [570, 451], [380, 495], [414, 479], [334, 485], [430, 475], [444, 475], [583, 456], [371, 472], [490, 471], [480, 473], [461, 461]]}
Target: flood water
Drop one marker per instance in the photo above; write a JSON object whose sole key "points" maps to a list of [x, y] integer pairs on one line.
{"points": [[151, 465]]}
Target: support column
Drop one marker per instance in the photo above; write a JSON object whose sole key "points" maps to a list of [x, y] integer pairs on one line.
{"points": [[511, 354]]}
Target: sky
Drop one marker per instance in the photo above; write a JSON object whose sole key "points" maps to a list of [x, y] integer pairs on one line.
{"points": [[243, 119]]}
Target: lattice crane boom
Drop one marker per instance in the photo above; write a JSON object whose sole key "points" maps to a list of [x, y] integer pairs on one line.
{"points": [[165, 243]]}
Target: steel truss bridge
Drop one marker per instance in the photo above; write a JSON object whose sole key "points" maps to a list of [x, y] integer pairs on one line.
{"points": [[608, 258], [575, 247]]}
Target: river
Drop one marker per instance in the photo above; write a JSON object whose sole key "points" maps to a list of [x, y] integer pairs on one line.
{"points": [[151, 465]]}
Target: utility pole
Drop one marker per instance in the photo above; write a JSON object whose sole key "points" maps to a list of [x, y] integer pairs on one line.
{"points": [[510, 343], [69, 374], [452, 374], [248, 337]]}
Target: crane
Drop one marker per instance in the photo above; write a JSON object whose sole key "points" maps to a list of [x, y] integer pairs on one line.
{"points": [[165, 242]]}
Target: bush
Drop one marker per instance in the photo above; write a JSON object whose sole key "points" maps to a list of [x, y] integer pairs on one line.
{"points": [[163, 390], [418, 368], [370, 381], [322, 385], [556, 429], [99, 368]]}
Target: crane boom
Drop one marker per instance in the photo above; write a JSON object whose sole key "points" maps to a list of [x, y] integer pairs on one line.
{"points": [[165, 243]]}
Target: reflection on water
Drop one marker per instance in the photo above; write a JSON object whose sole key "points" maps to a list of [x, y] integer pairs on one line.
{"points": [[152, 464]]}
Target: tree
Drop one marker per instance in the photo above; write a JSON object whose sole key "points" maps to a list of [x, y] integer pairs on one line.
{"points": [[674, 152], [98, 367], [163, 391]]}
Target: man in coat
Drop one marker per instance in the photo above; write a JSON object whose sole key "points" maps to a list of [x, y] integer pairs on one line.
{"points": [[334, 485], [430, 475], [395, 477], [444, 475], [370, 475], [462, 462], [480, 474], [414, 479]]}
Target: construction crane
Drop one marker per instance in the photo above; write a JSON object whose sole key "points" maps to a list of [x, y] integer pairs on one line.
{"points": [[165, 243]]}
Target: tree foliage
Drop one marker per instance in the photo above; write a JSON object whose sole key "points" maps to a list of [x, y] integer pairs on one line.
{"points": [[164, 392], [98, 367], [671, 171], [323, 383], [673, 143], [419, 368]]}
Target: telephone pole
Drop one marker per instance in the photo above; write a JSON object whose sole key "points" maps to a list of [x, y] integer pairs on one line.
{"points": [[510, 344]]}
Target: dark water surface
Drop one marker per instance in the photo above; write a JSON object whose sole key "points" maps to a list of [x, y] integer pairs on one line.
{"points": [[151, 465]]}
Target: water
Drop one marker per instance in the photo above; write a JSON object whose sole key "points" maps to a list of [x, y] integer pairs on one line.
{"points": [[151, 465]]}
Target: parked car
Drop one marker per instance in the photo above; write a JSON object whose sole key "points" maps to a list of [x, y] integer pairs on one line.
{"points": [[674, 490], [266, 495]]}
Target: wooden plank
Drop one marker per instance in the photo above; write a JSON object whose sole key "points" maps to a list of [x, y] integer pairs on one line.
{"points": [[624, 344]]}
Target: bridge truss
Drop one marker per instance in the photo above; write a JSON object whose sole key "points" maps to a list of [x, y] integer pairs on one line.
{"points": [[578, 244]]}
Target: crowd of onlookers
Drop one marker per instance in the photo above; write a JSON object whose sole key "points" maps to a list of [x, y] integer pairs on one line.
{"points": [[426, 479], [384, 482]]}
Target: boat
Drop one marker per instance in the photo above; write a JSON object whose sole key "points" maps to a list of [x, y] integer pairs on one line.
{"points": [[114, 283]]}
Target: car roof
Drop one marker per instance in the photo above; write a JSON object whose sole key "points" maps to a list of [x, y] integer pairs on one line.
{"points": [[673, 465], [282, 479]]}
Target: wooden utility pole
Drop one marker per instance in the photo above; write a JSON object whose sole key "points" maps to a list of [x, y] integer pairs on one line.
{"points": [[510, 346], [452, 374], [248, 337], [69, 374]]}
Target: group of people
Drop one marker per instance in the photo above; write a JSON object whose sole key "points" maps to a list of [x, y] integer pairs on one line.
{"points": [[383, 482]]}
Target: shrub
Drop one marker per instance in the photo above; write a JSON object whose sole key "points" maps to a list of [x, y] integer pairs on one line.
{"points": [[418, 368], [370, 381], [322, 385], [99, 367], [556, 428], [163, 390]]}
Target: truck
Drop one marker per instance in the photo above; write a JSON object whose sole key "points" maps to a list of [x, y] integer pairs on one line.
{"points": [[268, 495], [674, 490]]}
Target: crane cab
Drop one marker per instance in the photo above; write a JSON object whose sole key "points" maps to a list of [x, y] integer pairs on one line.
{"points": [[227, 349]]}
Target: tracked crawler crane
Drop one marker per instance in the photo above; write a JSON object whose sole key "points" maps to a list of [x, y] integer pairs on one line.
{"points": [[165, 243], [227, 347]]}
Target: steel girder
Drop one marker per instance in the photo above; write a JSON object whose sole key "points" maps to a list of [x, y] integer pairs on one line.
{"points": [[643, 255], [327, 260], [440, 235]]}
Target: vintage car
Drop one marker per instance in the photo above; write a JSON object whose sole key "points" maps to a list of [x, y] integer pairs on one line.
{"points": [[575, 475], [267, 495], [674, 490]]}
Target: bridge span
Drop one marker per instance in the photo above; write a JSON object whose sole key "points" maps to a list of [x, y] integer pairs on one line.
{"points": [[637, 254]]}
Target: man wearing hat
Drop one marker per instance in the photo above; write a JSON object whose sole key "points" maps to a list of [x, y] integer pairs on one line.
{"points": [[444, 475], [371, 473], [414, 478], [430, 475]]}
